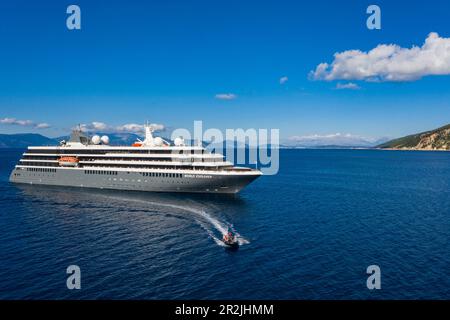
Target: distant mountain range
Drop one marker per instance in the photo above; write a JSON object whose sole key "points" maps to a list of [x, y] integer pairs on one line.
{"points": [[22, 140], [331, 141], [437, 139]]}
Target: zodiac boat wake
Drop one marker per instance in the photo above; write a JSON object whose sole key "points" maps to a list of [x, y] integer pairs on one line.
{"points": [[224, 228]]}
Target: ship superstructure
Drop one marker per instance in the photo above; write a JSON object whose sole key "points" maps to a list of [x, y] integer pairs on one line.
{"points": [[152, 164]]}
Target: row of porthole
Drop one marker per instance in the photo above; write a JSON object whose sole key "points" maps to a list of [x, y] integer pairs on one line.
{"points": [[145, 181], [162, 174], [41, 169]]}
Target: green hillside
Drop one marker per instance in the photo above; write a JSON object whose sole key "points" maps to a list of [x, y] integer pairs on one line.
{"points": [[438, 139]]}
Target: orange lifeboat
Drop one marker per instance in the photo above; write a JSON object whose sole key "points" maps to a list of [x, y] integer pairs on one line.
{"points": [[68, 161], [137, 144]]}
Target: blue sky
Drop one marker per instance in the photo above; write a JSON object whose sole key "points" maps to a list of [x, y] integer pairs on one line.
{"points": [[166, 61]]}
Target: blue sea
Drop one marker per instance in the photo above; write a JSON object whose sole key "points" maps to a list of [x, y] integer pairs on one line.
{"points": [[309, 232]]}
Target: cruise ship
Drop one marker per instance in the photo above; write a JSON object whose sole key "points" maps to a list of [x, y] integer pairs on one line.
{"points": [[149, 165]]}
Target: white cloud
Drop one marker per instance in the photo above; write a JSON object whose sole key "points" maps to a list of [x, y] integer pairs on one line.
{"points": [[283, 80], [42, 125], [130, 127], [99, 125], [157, 126], [8, 121], [349, 85], [24, 123], [389, 62], [225, 96], [137, 128]]}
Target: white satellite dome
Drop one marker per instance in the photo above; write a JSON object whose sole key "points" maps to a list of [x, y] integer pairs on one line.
{"points": [[105, 139], [179, 141], [95, 139], [158, 141]]}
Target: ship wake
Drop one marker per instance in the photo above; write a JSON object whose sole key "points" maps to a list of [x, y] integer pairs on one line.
{"points": [[214, 227]]}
